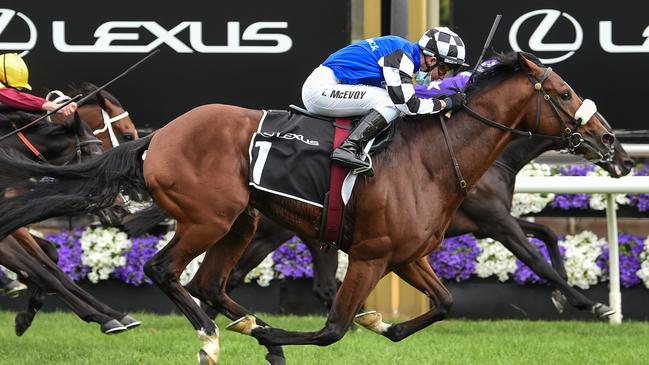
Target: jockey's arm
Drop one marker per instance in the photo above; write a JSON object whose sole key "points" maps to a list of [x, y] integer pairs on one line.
{"points": [[19, 100], [397, 72]]}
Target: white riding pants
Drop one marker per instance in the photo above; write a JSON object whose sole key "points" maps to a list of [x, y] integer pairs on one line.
{"points": [[323, 94]]}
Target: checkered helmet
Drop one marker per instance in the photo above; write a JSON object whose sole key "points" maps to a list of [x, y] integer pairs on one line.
{"points": [[443, 43]]}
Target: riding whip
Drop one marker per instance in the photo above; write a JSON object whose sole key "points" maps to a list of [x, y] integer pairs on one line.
{"points": [[78, 97], [484, 49]]}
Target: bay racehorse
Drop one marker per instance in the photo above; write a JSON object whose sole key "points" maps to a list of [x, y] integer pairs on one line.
{"points": [[34, 259], [196, 169], [485, 212], [106, 116]]}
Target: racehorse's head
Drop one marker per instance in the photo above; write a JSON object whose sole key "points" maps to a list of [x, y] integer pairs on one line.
{"points": [[81, 142], [558, 111], [106, 116], [619, 163]]}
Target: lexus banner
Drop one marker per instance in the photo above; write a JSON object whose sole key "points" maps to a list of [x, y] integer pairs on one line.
{"points": [[600, 48], [252, 53]]}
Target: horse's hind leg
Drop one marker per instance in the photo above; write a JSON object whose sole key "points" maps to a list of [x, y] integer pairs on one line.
{"points": [[420, 275], [209, 284], [361, 278], [45, 253], [15, 257], [189, 241]]}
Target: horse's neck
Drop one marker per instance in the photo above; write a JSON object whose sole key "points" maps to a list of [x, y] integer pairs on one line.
{"points": [[521, 151], [477, 145]]}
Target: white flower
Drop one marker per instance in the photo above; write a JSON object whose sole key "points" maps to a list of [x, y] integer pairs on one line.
{"points": [[102, 251], [343, 262], [598, 201], [643, 273], [264, 272], [531, 203], [191, 269], [580, 258], [494, 259]]}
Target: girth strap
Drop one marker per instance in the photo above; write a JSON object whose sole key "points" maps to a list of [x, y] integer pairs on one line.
{"points": [[456, 165]]}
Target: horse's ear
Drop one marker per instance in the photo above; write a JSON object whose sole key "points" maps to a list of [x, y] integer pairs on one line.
{"points": [[526, 64], [101, 99]]}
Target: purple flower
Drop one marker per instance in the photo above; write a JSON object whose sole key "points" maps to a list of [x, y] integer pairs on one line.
{"points": [[455, 258], [640, 200], [572, 201], [293, 259], [523, 273], [69, 250], [141, 251], [630, 247]]}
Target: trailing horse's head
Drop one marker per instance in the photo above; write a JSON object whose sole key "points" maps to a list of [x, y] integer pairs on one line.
{"points": [[618, 163], [106, 117], [558, 111]]}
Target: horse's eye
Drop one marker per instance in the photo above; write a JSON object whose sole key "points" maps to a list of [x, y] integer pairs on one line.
{"points": [[565, 95], [128, 137]]}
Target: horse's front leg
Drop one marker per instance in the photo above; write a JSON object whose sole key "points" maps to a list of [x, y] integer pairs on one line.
{"points": [[509, 233], [545, 234], [325, 265], [210, 283], [361, 278], [24, 319], [420, 275]]}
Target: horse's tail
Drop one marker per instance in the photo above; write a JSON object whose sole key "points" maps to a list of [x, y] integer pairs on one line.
{"points": [[144, 221], [34, 192]]}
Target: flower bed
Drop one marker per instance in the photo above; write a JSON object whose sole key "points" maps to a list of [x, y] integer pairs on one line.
{"points": [[98, 254]]}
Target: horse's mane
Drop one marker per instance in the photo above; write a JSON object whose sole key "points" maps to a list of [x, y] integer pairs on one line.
{"points": [[88, 87], [505, 66]]}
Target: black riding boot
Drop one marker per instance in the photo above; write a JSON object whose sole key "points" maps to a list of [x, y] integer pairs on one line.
{"points": [[350, 152]]}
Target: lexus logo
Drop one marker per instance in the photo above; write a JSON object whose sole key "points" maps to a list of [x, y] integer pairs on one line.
{"points": [[6, 17], [536, 42]]}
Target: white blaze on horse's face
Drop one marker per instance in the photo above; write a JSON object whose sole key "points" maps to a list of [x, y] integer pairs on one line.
{"points": [[586, 111]]}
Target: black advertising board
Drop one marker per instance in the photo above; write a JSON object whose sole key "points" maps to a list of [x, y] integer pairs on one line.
{"points": [[252, 53], [600, 48]]}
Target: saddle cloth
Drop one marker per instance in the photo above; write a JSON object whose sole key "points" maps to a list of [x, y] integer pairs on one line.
{"points": [[289, 156]]}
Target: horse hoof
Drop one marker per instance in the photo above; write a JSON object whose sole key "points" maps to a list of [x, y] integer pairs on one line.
{"points": [[203, 359], [243, 325], [373, 321], [129, 322], [272, 359], [602, 311], [14, 289], [111, 327], [22, 322], [559, 300]]}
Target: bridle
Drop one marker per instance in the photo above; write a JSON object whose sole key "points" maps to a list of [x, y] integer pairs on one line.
{"points": [[107, 119], [569, 138], [78, 145], [108, 125]]}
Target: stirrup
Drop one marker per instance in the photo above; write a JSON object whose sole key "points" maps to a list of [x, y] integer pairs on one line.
{"points": [[362, 170]]}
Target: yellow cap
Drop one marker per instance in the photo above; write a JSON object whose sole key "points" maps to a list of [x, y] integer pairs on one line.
{"points": [[13, 71]]}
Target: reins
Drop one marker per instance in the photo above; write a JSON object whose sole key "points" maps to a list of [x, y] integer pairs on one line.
{"points": [[568, 138]]}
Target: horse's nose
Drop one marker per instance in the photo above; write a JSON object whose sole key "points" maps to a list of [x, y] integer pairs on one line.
{"points": [[608, 139]]}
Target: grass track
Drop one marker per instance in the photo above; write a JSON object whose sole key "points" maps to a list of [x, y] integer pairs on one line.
{"points": [[61, 338]]}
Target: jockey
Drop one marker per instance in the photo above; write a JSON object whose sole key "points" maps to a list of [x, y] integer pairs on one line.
{"points": [[374, 77], [15, 76]]}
